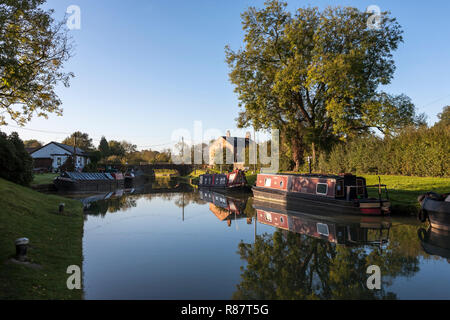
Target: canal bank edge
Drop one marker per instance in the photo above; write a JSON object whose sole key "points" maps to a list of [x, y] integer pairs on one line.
{"points": [[55, 243]]}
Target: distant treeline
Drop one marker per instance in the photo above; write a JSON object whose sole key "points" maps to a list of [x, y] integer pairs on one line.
{"points": [[414, 151]]}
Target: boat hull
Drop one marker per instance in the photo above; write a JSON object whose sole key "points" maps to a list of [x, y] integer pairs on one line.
{"points": [[438, 213], [311, 203], [70, 185]]}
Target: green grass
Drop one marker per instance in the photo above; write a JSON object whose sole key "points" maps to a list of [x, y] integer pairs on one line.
{"points": [[404, 190], [55, 243], [43, 178], [251, 178]]}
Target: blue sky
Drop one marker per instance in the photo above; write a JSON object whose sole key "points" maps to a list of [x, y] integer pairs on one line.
{"points": [[146, 68]]}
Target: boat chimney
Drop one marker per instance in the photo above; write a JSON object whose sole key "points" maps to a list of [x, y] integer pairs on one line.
{"points": [[228, 134], [248, 135]]}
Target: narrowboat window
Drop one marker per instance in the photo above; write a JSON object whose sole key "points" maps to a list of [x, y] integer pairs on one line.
{"points": [[201, 179], [268, 217], [322, 188], [281, 219], [281, 183], [322, 229], [339, 188], [360, 187], [267, 182]]}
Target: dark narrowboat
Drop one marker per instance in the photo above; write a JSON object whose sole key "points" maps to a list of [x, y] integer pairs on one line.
{"points": [[232, 180], [88, 182], [344, 193], [135, 178], [436, 208]]}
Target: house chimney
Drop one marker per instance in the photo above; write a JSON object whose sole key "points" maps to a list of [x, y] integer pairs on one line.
{"points": [[248, 135], [228, 134]]}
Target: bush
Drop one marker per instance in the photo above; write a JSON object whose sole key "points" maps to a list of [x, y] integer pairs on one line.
{"points": [[414, 152], [16, 165]]}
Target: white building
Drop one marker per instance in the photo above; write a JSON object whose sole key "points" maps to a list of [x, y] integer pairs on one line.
{"points": [[54, 154], [236, 148]]}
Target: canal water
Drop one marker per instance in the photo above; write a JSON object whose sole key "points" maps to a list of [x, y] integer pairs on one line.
{"points": [[173, 242]]}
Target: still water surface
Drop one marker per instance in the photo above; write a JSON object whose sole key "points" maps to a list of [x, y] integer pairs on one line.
{"points": [[161, 243]]}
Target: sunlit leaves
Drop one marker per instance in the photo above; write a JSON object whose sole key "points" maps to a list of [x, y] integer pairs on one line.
{"points": [[316, 69], [33, 48]]}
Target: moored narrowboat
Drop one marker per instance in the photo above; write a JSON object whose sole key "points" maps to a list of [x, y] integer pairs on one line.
{"points": [[88, 182], [135, 178], [232, 180], [346, 193], [436, 208]]}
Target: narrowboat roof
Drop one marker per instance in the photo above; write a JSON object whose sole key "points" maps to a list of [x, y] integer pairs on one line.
{"points": [[87, 176], [315, 175]]}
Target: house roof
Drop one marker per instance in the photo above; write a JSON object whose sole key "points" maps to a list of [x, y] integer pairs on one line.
{"points": [[238, 141], [79, 152]]}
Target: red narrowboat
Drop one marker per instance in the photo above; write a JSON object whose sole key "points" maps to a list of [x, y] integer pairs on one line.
{"points": [[232, 180], [344, 193]]}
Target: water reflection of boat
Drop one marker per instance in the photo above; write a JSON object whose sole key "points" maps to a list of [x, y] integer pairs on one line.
{"points": [[332, 193], [87, 201], [436, 208], [345, 230], [435, 242], [224, 207]]}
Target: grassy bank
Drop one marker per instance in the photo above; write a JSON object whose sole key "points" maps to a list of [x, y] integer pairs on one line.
{"points": [[55, 243], [404, 190], [43, 178]]}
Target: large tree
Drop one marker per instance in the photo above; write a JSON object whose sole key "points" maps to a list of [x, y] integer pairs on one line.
{"points": [[33, 143], [315, 74], [33, 48], [103, 147], [80, 140], [444, 116]]}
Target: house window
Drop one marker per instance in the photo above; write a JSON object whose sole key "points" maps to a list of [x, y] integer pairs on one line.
{"points": [[58, 161], [322, 188]]}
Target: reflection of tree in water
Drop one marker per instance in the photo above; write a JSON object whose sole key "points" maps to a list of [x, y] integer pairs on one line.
{"points": [[102, 207], [185, 199], [288, 265], [180, 199]]}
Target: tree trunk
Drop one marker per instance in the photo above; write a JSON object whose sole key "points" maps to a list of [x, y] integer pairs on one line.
{"points": [[297, 152], [313, 147]]}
